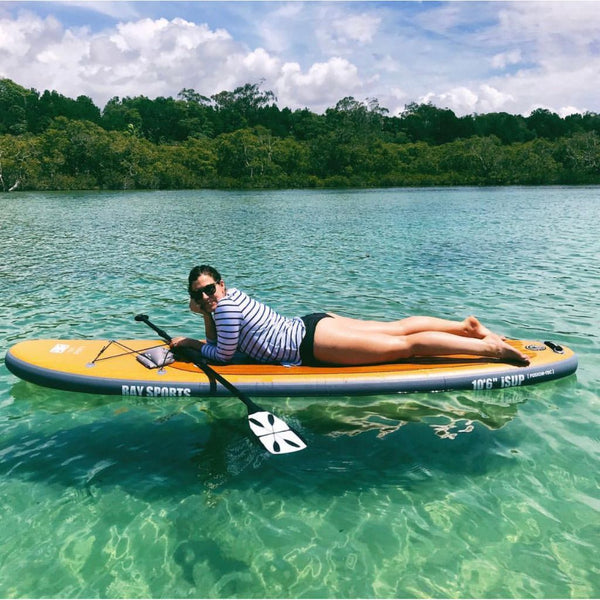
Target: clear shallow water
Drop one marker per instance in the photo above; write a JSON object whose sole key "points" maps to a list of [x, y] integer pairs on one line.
{"points": [[483, 494]]}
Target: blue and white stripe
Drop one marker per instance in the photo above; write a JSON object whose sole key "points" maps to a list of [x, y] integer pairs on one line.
{"points": [[253, 328]]}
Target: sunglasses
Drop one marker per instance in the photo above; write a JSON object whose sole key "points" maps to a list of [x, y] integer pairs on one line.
{"points": [[209, 290]]}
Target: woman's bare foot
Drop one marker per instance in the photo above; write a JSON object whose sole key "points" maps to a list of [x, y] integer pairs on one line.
{"points": [[475, 329], [505, 351]]}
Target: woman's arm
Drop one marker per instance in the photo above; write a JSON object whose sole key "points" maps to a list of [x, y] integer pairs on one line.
{"points": [[209, 328], [226, 325]]}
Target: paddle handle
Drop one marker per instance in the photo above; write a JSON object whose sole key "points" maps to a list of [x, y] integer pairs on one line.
{"points": [[163, 334]]}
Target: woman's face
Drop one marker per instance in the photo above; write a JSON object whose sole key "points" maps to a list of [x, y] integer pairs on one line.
{"points": [[207, 292]]}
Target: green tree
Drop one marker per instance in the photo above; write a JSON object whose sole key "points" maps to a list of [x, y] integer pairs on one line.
{"points": [[580, 156], [19, 163], [118, 115], [84, 145], [246, 154], [546, 124], [240, 108], [353, 120], [478, 161], [14, 107], [509, 129], [306, 125], [591, 122], [291, 156], [52, 104], [532, 163], [200, 158], [131, 163], [427, 123]]}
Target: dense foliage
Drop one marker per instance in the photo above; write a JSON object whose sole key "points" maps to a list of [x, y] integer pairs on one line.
{"points": [[242, 139]]}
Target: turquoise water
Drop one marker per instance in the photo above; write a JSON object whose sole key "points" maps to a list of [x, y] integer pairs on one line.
{"points": [[464, 494]]}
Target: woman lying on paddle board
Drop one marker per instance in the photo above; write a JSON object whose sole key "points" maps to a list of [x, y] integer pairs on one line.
{"points": [[235, 322]]}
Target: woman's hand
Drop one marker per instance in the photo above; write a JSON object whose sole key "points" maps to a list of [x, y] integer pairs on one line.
{"points": [[186, 342], [198, 308]]}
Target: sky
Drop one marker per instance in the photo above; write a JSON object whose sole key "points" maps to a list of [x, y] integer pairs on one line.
{"points": [[471, 57]]}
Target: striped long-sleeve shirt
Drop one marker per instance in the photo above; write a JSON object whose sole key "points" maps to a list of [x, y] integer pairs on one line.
{"points": [[249, 326]]}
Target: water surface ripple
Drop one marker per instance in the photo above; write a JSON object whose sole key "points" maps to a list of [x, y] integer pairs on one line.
{"points": [[463, 494]]}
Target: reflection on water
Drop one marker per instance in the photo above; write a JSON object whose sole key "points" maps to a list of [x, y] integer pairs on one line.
{"points": [[352, 416], [453, 494]]}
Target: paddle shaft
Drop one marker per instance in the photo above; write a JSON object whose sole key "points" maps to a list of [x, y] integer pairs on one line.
{"points": [[210, 372], [271, 431]]}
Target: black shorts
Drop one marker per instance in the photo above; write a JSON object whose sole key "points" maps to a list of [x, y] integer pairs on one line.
{"points": [[307, 354]]}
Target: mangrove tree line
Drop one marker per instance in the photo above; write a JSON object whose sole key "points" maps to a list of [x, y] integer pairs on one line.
{"points": [[243, 139]]}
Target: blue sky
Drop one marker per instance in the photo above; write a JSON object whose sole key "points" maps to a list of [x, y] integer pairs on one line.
{"points": [[472, 57]]}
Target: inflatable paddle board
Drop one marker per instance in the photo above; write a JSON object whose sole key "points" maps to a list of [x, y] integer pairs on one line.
{"points": [[116, 367]]}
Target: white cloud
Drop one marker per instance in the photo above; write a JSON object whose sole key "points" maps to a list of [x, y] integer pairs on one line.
{"points": [[387, 63], [160, 57], [118, 9], [356, 28], [492, 100], [278, 28], [547, 21], [338, 31], [261, 63], [150, 57], [443, 18], [502, 60], [511, 56], [316, 88], [553, 88], [549, 53], [565, 111], [18, 37], [463, 100]]}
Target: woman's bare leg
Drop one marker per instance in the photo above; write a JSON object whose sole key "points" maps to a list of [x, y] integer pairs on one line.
{"points": [[469, 327], [337, 341]]}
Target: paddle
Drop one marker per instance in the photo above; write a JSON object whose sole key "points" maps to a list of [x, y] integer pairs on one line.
{"points": [[272, 432]]}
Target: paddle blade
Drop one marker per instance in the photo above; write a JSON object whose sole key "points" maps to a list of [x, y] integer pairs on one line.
{"points": [[274, 434]]}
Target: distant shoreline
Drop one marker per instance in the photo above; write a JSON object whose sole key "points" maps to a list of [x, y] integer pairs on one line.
{"points": [[242, 140]]}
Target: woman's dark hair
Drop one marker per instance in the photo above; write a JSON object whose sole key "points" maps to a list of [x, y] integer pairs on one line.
{"points": [[202, 270]]}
